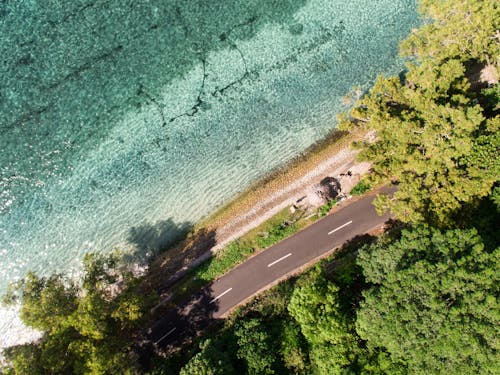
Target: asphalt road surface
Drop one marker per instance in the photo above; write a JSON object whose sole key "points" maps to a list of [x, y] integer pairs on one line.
{"points": [[264, 269]]}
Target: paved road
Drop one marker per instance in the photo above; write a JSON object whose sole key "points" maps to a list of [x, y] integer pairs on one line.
{"points": [[264, 269]]}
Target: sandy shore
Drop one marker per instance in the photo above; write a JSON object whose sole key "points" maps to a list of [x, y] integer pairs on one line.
{"points": [[332, 157], [288, 195]]}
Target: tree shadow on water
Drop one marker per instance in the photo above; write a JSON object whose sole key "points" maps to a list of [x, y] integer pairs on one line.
{"points": [[153, 238], [175, 247]]}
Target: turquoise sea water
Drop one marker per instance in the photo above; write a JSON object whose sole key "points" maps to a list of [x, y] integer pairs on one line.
{"points": [[124, 121]]}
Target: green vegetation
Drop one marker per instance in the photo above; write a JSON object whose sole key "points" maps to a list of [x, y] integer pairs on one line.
{"points": [[432, 303], [420, 299], [360, 188], [325, 209], [282, 225], [437, 132], [233, 254], [316, 306], [276, 234], [87, 328]]}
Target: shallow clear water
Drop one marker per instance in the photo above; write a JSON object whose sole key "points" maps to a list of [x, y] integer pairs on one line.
{"points": [[122, 122]]}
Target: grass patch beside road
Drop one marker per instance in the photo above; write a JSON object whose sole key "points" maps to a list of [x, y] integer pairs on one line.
{"points": [[282, 225], [325, 209], [360, 188]]}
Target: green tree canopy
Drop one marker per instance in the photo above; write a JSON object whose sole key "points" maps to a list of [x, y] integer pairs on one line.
{"points": [[433, 139], [293, 348], [432, 134], [255, 347], [86, 328], [209, 361], [316, 307], [434, 301], [463, 29]]}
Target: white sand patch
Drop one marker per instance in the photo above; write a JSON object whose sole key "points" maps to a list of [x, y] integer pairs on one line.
{"points": [[12, 330], [334, 166]]}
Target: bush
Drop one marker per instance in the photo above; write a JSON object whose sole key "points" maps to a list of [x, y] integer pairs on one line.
{"points": [[323, 210], [276, 234], [360, 188]]}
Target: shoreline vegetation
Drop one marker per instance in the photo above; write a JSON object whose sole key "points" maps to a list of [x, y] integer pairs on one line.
{"points": [[264, 204], [421, 298]]}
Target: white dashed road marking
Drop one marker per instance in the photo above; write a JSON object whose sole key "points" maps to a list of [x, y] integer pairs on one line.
{"points": [[279, 260], [220, 295], [342, 226], [166, 334]]}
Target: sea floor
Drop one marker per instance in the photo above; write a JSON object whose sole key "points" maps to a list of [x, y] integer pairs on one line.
{"points": [[125, 123]]}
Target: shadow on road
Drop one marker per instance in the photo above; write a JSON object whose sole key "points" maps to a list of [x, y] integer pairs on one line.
{"points": [[175, 247], [171, 265], [179, 325]]}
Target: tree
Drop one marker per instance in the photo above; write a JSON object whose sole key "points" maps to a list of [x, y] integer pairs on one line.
{"points": [[254, 347], [433, 301], [457, 29], [433, 140], [87, 328], [432, 135], [209, 361], [316, 307], [24, 359], [293, 348]]}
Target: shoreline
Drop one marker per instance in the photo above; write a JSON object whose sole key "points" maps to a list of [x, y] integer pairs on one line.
{"points": [[322, 158], [281, 188], [264, 198]]}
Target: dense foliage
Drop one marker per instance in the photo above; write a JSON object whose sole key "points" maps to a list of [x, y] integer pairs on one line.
{"points": [[316, 307], [433, 301], [423, 298], [86, 328], [437, 133]]}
